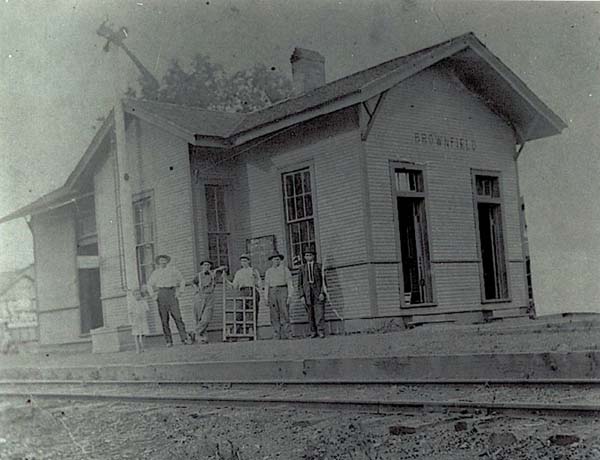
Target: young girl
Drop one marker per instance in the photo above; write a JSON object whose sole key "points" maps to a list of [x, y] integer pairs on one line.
{"points": [[138, 308]]}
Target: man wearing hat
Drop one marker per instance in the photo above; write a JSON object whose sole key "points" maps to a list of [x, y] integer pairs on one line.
{"points": [[204, 299], [170, 283], [278, 291], [311, 284], [246, 279]]}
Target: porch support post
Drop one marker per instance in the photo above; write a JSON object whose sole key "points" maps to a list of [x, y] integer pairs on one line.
{"points": [[124, 186]]}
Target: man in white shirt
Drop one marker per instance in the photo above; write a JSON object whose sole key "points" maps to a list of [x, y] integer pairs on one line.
{"points": [[279, 291], [170, 284], [247, 281]]}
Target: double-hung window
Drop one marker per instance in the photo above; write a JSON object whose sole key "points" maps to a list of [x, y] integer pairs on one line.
{"points": [[298, 199], [143, 220], [87, 235], [218, 229]]}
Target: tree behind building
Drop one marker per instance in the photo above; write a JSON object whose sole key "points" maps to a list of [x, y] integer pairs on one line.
{"points": [[207, 85]]}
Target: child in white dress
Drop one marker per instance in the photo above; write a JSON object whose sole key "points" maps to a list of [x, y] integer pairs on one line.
{"points": [[137, 308]]}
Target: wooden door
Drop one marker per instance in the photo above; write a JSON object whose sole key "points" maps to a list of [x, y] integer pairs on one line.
{"points": [[90, 304]]}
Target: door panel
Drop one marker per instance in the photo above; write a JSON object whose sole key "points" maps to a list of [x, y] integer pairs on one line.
{"points": [[492, 251], [414, 246], [90, 304]]}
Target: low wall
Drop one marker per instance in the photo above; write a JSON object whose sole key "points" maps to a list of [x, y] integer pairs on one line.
{"points": [[480, 367]]}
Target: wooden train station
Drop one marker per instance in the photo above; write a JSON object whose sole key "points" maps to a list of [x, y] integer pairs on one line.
{"points": [[403, 177]]}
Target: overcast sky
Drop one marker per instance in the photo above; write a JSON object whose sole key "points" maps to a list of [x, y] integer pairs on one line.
{"points": [[55, 81]]}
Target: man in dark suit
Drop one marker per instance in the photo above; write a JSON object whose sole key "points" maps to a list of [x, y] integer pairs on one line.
{"points": [[312, 288]]}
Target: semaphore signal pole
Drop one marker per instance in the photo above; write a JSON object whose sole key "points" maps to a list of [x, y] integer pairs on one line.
{"points": [[123, 164]]}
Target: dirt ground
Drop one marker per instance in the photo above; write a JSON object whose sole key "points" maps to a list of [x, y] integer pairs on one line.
{"points": [[64, 430], [35, 430]]}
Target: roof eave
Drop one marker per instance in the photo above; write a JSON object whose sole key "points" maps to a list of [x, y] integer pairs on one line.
{"points": [[211, 141], [393, 78], [90, 152], [53, 200], [324, 108], [550, 124], [555, 125], [365, 92], [67, 192], [158, 121]]}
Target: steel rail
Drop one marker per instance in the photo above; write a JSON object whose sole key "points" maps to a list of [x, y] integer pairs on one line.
{"points": [[359, 405], [520, 382]]}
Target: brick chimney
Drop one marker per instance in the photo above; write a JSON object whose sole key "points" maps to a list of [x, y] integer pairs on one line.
{"points": [[308, 70]]}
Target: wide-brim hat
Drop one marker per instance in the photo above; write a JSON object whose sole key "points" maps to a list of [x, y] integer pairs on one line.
{"points": [[276, 254], [206, 261], [309, 251], [245, 256], [162, 256]]}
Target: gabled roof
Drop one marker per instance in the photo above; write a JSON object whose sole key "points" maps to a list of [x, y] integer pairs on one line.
{"points": [[67, 193], [59, 197], [190, 120], [342, 88], [479, 70]]}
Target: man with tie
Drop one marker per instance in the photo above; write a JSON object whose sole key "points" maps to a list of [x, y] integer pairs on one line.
{"points": [[312, 287]]}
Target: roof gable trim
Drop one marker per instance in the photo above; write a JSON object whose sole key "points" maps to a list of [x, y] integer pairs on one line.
{"points": [[90, 153], [160, 122], [472, 43], [517, 85], [397, 76]]}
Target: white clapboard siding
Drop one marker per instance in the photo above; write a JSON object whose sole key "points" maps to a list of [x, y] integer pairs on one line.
{"points": [[331, 147], [387, 288], [333, 153], [457, 285], [435, 102], [56, 270], [159, 164]]}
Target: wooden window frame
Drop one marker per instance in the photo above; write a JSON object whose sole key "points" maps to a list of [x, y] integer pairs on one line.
{"points": [[137, 198], [283, 172], [84, 239], [227, 202], [477, 199], [394, 166]]}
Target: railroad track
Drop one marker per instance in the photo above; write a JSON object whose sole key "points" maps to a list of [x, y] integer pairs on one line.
{"points": [[563, 398]]}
